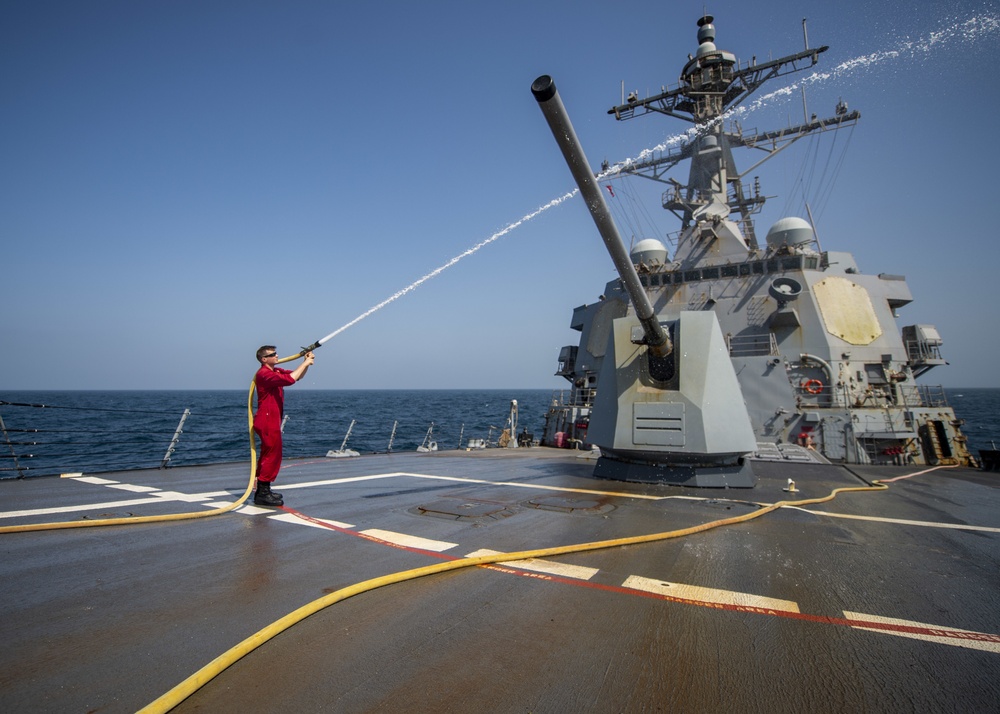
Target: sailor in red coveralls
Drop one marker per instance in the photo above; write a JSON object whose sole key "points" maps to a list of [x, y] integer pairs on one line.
{"points": [[271, 382]]}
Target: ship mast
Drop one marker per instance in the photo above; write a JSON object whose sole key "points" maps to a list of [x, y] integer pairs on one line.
{"points": [[712, 84]]}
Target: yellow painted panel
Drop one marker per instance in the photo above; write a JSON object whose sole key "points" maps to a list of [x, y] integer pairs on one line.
{"points": [[847, 310]]}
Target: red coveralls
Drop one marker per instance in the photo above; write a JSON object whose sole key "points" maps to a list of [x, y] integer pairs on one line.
{"points": [[267, 421]]}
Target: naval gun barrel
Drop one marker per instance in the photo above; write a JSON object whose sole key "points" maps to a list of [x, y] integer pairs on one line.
{"points": [[544, 90]]}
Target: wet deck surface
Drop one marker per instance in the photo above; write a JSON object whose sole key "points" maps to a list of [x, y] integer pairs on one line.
{"points": [[755, 616]]}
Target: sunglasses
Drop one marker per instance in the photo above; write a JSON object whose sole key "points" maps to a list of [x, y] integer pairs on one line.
{"points": [[273, 354]]}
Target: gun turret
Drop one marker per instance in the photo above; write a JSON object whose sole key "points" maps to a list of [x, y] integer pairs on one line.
{"points": [[658, 415], [656, 338]]}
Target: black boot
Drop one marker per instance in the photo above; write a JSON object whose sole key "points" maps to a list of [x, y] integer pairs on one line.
{"points": [[265, 496], [273, 493]]}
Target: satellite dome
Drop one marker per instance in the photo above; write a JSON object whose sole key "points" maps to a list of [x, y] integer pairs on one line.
{"points": [[649, 251], [706, 48], [791, 232]]}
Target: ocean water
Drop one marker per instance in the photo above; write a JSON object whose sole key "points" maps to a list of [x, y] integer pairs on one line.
{"points": [[106, 431], [95, 431], [980, 408]]}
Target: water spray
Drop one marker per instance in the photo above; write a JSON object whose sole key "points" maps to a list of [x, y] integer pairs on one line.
{"points": [[434, 273], [970, 30]]}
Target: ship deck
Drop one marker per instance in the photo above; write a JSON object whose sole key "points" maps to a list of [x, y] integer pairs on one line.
{"points": [[884, 601]]}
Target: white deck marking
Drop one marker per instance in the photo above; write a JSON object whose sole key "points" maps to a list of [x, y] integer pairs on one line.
{"points": [[699, 594], [538, 486], [438, 546], [81, 507], [460, 479], [178, 496], [292, 518], [248, 510], [899, 521], [93, 479], [130, 487], [338, 481], [221, 504], [577, 572], [988, 643]]}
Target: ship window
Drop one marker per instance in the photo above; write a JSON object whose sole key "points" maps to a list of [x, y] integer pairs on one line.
{"points": [[654, 280], [642, 280], [710, 273], [812, 262], [745, 269], [793, 263], [678, 278], [692, 276], [729, 271], [758, 268], [772, 266]]}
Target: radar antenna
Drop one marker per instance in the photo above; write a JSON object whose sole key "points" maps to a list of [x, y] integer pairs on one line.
{"points": [[712, 84]]}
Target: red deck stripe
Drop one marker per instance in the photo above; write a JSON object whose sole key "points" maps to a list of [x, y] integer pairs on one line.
{"points": [[821, 619]]}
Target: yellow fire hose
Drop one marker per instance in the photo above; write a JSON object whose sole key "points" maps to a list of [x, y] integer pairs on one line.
{"points": [[204, 675]]}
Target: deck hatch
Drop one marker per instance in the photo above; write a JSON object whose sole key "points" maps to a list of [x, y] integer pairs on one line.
{"points": [[563, 504], [464, 509]]}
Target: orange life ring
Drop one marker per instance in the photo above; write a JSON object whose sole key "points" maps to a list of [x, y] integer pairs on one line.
{"points": [[813, 386]]}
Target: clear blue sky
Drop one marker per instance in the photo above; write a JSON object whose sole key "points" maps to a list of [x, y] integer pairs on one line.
{"points": [[183, 181]]}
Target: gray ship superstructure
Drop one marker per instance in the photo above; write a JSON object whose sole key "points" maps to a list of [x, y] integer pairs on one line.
{"points": [[823, 371]]}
